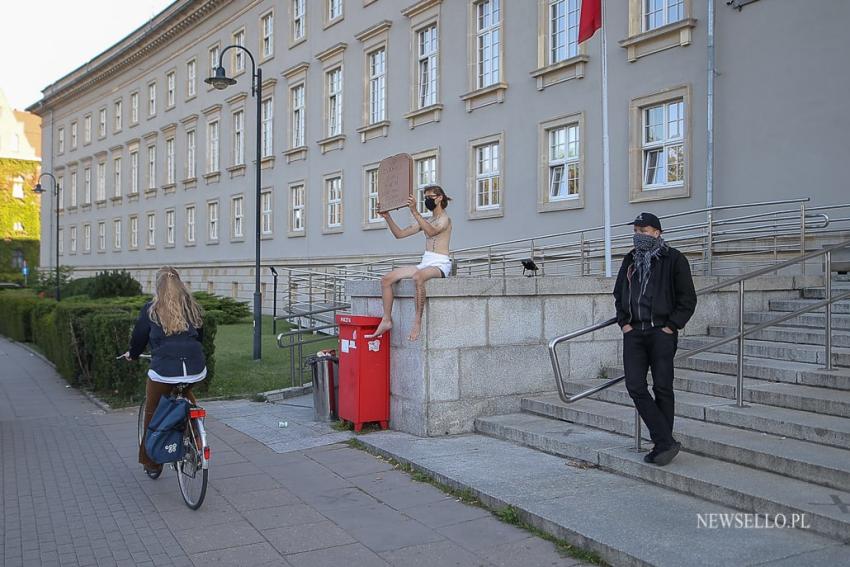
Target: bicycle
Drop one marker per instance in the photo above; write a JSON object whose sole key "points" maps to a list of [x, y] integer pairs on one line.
{"points": [[193, 469]]}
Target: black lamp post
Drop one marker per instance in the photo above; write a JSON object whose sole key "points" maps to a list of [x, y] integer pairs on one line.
{"points": [[39, 189], [220, 82]]}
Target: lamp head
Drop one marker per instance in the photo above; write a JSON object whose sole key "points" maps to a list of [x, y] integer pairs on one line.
{"points": [[220, 80], [38, 188]]}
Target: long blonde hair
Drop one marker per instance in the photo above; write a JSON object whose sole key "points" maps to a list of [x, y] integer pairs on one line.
{"points": [[173, 307]]}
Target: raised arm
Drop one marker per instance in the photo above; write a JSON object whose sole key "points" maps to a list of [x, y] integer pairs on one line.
{"points": [[431, 229], [397, 231]]}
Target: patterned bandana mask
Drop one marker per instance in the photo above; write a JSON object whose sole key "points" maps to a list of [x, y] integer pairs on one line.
{"points": [[647, 247]]}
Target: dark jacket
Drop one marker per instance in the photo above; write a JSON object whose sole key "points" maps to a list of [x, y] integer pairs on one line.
{"points": [[673, 297], [168, 352]]}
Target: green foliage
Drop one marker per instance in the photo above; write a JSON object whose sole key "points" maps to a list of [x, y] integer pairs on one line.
{"points": [[232, 311], [15, 210], [107, 335], [117, 283], [45, 280], [16, 306], [12, 277]]}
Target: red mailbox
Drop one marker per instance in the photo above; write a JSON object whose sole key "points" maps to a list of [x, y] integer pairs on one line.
{"points": [[364, 371]]}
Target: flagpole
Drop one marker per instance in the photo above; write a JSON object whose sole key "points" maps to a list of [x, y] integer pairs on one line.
{"points": [[606, 165]]}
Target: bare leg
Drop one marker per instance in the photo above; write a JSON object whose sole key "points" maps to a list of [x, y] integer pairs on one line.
{"points": [[387, 295], [419, 279]]}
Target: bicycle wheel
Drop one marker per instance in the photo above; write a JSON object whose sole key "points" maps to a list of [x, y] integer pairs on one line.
{"points": [[152, 475], [191, 474]]}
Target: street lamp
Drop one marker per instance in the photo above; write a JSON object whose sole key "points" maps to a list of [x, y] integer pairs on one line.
{"points": [[39, 189], [221, 81]]}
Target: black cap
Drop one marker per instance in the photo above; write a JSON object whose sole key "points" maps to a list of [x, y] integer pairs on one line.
{"points": [[647, 219]]}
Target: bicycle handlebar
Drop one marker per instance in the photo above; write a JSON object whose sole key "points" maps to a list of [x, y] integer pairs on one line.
{"points": [[120, 356]]}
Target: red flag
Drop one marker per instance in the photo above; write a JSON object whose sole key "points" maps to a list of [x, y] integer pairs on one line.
{"points": [[590, 19]]}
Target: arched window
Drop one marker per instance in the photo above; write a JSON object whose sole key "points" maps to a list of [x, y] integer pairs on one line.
{"points": [[17, 259]]}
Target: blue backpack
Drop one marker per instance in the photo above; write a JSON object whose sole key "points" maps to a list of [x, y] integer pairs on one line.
{"points": [[164, 436]]}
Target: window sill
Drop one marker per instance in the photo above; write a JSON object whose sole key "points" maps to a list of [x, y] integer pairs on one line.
{"points": [[666, 37], [332, 230], [86, 208], [493, 94], [424, 115], [482, 214], [267, 237], [236, 170], [212, 242], [100, 203], [190, 183], [371, 131], [296, 234], [189, 244], [72, 209], [132, 197], [568, 204], [295, 154], [331, 143], [331, 23], [212, 177], [117, 199], [170, 188], [297, 42], [267, 162], [169, 246], [375, 225], [572, 68], [237, 240], [190, 98], [661, 194], [150, 193]]}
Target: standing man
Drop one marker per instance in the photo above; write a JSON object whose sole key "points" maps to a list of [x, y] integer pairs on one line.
{"points": [[654, 296], [436, 262]]}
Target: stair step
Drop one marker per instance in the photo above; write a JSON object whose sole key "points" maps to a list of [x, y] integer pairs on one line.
{"points": [[816, 320], [626, 521], [798, 335], [791, 352], [771, 370], [787, 305], [810, 462], [740, 487], [796, 424], [820, 292]]}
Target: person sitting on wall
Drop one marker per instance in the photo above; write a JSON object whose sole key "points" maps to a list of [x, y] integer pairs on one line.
{"points": [[435, 261], [654, 296]]}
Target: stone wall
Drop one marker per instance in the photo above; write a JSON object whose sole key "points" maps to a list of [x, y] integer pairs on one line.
{"points": [[484, 340]]}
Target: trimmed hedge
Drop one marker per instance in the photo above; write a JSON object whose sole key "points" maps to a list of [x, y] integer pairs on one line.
{"points": [[16, 306]]}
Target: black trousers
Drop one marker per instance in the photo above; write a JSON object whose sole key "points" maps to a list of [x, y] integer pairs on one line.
{"points": [[652, 349]]}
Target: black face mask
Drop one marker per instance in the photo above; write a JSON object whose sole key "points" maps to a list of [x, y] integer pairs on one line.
{"points": [[430, 203]]}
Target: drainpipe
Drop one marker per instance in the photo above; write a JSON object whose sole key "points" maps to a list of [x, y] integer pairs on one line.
{"points": [[709, 158]]}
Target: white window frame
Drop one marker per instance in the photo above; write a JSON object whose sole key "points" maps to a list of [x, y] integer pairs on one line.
{"points": [[486, 176], [60, 136], [298, 106], [377, 70], [100, 194], [427, 81], [170, 226], [116, 234], [334, 11], [237, 217], [72, 240], [425, 173], [134, 107], [267, 35], [213, 146], [61, 234], [299, 21], [191, 216], [151, 167], [87, 186], [152, 99], [333, 193], [266, 213], [170, 89], [74, 188], [191, 78], [191, 154], [334, 100], [134, 232], [488, 38], [74, 138], [237, 56], [370, 185], [134, 172], [267, 142], [213, 56], [671, 138], [658, 13], [212, 221], [562, 32], [239, 137], [86, 238], [101, 236], [87, 129], [118, 115], [297, 208], [170, 162], [116, 176], [101, 123], [561, 148], [150, 241]]}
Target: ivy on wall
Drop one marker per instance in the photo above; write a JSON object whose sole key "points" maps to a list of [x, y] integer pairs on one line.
{"points": [[20, 224]]}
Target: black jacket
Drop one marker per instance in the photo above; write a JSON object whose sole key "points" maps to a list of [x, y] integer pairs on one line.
{"points": [[673, 297], [168, 352]]}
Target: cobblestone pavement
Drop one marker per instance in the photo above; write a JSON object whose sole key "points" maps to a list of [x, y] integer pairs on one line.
{"points": [[73, 494]]}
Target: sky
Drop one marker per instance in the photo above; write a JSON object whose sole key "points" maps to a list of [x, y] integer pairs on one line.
{"points": [[43, 40]]}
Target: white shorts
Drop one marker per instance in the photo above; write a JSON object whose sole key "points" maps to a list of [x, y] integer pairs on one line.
{"points": [[434, 260]]}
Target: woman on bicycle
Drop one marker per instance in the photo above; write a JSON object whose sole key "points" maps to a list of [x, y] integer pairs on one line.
{"points": [[172, 322]]}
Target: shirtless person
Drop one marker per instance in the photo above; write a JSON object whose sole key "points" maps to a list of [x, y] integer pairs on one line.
{"points": [[435, 262]]}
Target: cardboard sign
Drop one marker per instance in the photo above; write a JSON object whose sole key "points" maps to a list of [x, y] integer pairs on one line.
{"points": [[395, 182]]}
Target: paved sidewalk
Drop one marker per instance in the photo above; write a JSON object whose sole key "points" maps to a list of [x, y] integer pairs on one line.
{"points": [[73, 494]]}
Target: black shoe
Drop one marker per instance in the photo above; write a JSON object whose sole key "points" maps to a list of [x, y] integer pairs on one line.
{"points": [[664, 457], [650, 457]]}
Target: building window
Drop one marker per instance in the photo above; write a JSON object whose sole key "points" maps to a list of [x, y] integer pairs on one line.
{"points": [[487, 42], [73, 135], [564, 171], [267, 43], [237, 60], [268, 127], [101, 181], [663, 145], [151, 167], [237, 217], [563, 30], [73, 240], [378, 86], [334, 85], [134, 108], [134, 172], [427, 71], [101, 236], [119, 115], [61, 232], [212, 147], [372, 215], [116, 177], [426, 174], [191, 78], [87, 129], [18, 259], [87, 186], [151, 230], [297, 205], [190, 224], [169, 227], [657, 13], [101, 123], [266, 205], [86, 238], [60, 135], [151, 99], [214, 52], [212, 221], [170, 164], [488, 176], [170, 88], [116, 234], [73, 188], [299, 20], [333, 11], [134, 232], [61, 185], [238, 138], [18, 187], [297, 94], [191, 166], [333, 198]]}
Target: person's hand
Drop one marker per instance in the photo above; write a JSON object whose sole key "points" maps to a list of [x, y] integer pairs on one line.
{"points": [[126, 356], [411, 202], [627, 328], [667, 330]]}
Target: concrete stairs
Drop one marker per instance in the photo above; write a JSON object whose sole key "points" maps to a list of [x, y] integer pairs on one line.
{"points": [[787, 451]]}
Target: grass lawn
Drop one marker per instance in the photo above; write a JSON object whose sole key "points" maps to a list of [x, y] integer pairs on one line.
{"points": [[236, 374]]}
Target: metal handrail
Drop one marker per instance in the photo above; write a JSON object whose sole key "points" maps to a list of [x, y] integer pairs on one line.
{"points": [[739, 336]]}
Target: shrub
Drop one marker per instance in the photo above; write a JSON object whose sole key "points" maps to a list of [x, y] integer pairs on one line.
{"points": [[78, 287], [12, 277], [232, 311], [45, 280], [107, 335], [117, 283], [16, 307]]}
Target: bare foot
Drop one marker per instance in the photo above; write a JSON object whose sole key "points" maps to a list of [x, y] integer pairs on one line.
{"points": [[414, 333], [385, 325]]}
